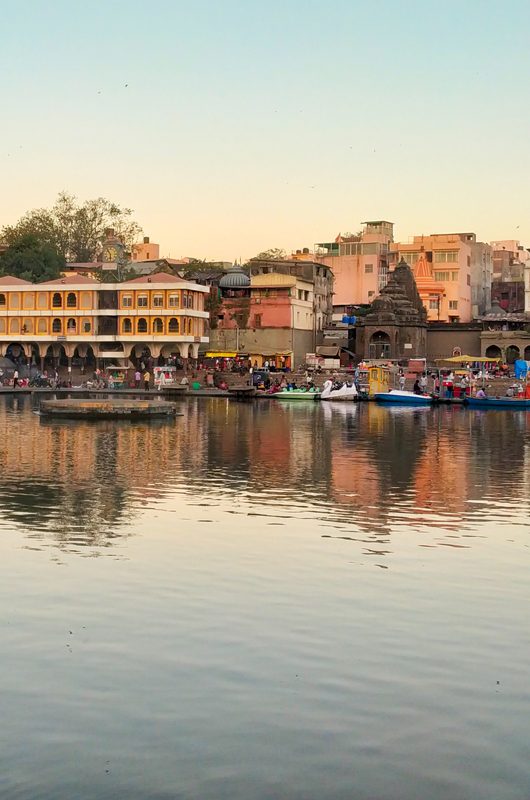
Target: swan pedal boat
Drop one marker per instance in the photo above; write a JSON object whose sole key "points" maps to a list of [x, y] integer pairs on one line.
{"points": [[404, 398], [344, 393]]}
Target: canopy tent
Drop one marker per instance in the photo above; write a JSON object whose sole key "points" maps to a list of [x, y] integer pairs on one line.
{"points": [[329, 351], [468, 360]]}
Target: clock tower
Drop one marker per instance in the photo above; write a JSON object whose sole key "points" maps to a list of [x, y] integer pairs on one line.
{"points": [[112, 250]]}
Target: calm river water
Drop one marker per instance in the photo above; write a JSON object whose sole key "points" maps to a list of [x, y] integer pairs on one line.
{"points": [[265, 601]]}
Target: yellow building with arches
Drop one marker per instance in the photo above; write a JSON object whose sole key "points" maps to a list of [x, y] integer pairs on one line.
{"points": [[76, 316]]}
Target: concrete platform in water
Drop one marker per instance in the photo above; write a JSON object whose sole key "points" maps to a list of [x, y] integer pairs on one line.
{"points": [[110, 408]]}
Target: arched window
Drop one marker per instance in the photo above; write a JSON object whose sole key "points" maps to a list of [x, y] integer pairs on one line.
{"points": [[27, 326], [173, 326], [126, 326], [56, 326], [190, 300], [42, 326], [71, 326], [493, 352], [190, 326], [142, 325], [71, 300], [379, 345], [184, 300], [14, 326], [2, 299], [158, 325], [57, 300], [512, 354]]}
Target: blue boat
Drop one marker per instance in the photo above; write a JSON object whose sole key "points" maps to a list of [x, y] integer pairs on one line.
{"points": [[498, 402], [404, 398]]}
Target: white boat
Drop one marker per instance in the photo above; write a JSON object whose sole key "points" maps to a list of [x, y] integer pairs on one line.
{"points": [[344, 393]]}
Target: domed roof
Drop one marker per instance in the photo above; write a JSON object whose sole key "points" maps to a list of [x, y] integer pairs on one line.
{"points": [[235, 279]]}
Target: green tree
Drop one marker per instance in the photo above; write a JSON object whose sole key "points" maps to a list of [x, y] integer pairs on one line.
{"points": [[31, 259], [76, 230], [274, 254]]}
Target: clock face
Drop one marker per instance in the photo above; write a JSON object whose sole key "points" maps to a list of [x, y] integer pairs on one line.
{"points": [[110, 254]]}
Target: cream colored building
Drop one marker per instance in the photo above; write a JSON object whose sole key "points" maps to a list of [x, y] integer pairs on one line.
{"points": [[145, 251]]}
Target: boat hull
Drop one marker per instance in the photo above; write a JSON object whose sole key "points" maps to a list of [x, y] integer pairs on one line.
{"points": [[296, 395], [404, 398], [498, 402]]}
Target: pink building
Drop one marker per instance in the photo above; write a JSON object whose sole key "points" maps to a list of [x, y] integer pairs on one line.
{"points": [[453, 273], [359, 264], [267, 317]]}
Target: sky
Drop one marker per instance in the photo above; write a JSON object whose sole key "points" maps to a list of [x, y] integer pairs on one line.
{"points": [[234, 126]]}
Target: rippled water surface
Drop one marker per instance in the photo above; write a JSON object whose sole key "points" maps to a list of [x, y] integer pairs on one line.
{"points": [[265, 601]]}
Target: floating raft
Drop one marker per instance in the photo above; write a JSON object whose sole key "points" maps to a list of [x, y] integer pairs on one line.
{"points": [[111, 408]]}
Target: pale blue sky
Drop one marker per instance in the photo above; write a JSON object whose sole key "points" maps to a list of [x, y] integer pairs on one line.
{"points": [[246, 125]]}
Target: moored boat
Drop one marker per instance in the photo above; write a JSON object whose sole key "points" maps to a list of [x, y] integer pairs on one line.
{"points": [[343, 392], [404, 398], [298, 394], [498, 402]]}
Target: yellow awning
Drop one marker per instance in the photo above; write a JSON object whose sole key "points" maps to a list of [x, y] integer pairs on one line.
{"points": [[221, 355], [467, 359]]}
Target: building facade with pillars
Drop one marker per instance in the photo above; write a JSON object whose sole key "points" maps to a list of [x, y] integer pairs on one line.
{"points": [[78, 317], [505, 335]]}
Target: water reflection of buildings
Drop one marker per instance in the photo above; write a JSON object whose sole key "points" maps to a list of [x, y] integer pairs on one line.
{"points": [[81, 482], [353, 468]]}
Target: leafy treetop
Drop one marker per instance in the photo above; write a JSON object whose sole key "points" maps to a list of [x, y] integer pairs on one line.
{"points": [[31, 259], [75, 230], [274, 254]]}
